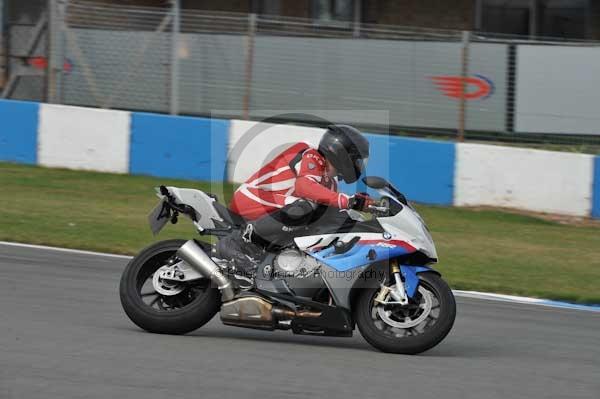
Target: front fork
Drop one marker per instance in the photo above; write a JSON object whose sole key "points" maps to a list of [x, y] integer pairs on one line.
{"points": [[403, 290]]}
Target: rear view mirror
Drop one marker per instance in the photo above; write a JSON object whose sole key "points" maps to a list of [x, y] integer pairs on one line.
{"points": [[379, 183], [375, 182]]}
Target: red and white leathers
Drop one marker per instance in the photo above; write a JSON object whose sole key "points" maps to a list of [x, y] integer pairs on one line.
{"points": [[298, 172]]}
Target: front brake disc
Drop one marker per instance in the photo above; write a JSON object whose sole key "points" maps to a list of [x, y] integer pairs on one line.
{"points": [[408, 322]]}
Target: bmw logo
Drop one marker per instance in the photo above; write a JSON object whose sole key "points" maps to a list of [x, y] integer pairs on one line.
{"points": [[386, 235]]}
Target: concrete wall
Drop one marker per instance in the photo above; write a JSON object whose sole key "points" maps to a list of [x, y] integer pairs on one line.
{"points": [[252, 144], [83, 138], [428, 171], [182, 147], [596, 195], [423, 169], [18, 131], [542, 181]]}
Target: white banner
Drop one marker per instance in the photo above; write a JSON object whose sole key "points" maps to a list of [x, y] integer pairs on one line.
{"points": [[557, 89]]}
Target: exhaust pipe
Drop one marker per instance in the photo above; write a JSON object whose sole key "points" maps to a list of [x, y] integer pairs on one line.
{"points": [[193, 255], [255, 311]]}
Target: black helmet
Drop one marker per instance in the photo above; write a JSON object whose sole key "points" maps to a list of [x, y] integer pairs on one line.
{"points": [[347, 150]]}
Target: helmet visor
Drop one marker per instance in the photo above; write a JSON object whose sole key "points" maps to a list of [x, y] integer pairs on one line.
{"points": [[360, 165]]}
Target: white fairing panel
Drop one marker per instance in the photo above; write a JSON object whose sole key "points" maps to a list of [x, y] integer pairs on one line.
{"points": [[202, 203], [405, 226], [308, 243], [408, 223]]}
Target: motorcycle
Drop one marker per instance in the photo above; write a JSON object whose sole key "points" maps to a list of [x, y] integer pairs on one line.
{"points": [[372, 273]]}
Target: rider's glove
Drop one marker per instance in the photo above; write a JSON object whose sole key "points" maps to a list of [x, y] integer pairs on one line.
{"points": [[360, 201]]}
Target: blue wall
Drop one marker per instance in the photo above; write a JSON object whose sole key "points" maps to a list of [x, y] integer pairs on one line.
{"points": [[196, 148], [178, 147], [422, 169], [596, 189], [18, 131]]}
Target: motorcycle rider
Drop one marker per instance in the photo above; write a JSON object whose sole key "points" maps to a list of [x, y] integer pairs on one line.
{"points": [[289, 191]]}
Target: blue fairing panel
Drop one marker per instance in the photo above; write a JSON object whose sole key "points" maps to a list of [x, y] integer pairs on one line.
{"points": [[411, 278], [358, 256], [341, 283]]}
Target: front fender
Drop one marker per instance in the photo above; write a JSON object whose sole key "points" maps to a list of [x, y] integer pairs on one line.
{"points": [[411, 277], [345, 289]]}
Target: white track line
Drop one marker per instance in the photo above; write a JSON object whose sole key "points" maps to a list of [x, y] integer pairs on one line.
{"points": [[57, 249], [460, 293], [524, 300]]}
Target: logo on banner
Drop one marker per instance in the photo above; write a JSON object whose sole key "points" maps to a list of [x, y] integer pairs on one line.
{"points": [[42, 63], [477, 87]]}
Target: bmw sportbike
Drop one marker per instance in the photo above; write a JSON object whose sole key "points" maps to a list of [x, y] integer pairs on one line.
{"points": [[372, 272]]}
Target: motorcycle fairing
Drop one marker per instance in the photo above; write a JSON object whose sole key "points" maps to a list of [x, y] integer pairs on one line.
{"points": [[370, 247], [341, 270], [341, 285], [333, 320], [202, 203], [364, 252]]}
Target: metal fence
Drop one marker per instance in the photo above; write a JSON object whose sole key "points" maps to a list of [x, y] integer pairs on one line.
{"points": [[432, 82]]}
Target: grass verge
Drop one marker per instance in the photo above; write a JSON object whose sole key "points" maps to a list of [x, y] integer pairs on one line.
{"points": [[485, 250]]}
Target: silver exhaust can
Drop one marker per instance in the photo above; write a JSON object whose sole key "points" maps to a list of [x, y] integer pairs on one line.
{"points": [[192, 254]]}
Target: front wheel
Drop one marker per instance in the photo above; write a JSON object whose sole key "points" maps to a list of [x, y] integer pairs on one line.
{"points": [[165, 307], [412, 328]]}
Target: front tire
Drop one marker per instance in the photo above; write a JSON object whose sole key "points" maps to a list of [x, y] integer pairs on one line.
{"points": [[383, 327], [194, 305]]}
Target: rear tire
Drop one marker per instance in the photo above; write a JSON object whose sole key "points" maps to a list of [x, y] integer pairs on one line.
{"points": [[410, 341], [198, 303]]}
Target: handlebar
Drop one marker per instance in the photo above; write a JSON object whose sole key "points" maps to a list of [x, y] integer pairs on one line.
{"points": [[385, 206], [378, 209]]}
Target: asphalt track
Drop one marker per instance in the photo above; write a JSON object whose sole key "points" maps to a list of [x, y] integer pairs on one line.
{"points": [[63, 335]]}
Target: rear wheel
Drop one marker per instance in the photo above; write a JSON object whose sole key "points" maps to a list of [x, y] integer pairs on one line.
{"points": [[412, 328], [161, 306]]}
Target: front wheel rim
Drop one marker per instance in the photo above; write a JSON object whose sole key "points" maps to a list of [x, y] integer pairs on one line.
{"points": [[398, 321]]}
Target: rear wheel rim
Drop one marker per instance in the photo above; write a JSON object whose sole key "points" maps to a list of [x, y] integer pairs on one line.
{"points": [[190, 292]]}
